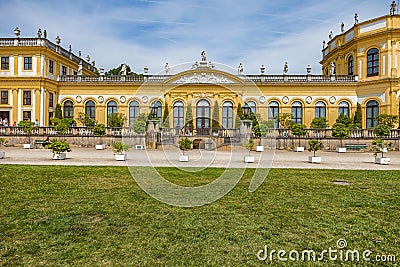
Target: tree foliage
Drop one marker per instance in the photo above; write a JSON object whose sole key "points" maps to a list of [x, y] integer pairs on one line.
{"points": [[140, 124], [58, 112], [340, 130], [117, 70], [215, 125], [165, 118], [185, 144], [319, 123], [189, 116], [314, 145], [357, 119], [85, 120], [285, 120], [389, 120], [58, 146], [116, 120], [99, 129]]}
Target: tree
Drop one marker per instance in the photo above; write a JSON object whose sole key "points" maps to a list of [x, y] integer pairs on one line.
{"points": [[357, 119], [378, 145], [165, 118], [58, 112], [116, 120], [299, 130], [215, 125], [389, 120], [314, 145], [265, 126], [340, 130], [117, 70], [344, 119], [250, 145], [140, 124], [319, 123], [189, 117], [28, 127], [99, 129], [85, 120], [185, 144], [285, 120]]}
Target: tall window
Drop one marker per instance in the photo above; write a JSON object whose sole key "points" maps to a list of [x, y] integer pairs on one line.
{"points": [[350, 66], [297, 112], [203, 117], [252, 106], [344, 108], [51, 66], [157, 104], [27, 98], [134, 112], [64, 70], [68, 109], [373, 62], [90, 109], [178, 114], [4, 97], [51, 100], [320, 110], [372, 113], [227, 115], [27, 63], [273, 113], [5, 63]]}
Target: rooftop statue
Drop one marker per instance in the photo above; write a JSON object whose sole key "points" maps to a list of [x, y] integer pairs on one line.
{"points": [[123, 70], [393, 8], [342, 27], [203, 56], [285, 68], [240, 68], [166, 67], [355, 18]]}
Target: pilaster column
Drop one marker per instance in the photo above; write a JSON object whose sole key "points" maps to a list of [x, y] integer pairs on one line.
{"points": [[42, 94], [19, 105]]}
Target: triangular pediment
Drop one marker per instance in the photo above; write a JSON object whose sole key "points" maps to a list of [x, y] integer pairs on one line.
{"points": [[205, 76]]}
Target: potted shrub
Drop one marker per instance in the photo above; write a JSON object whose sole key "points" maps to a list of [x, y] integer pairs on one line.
{"points": [[184, 144], [340, 130], [119, 150], [379, 146], [299, 130], [99, 130], [59, 148], [3, 142], [28, 127], [314, 146], [249, 145], [319, 125]]}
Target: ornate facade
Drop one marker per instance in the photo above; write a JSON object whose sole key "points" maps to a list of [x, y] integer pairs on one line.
{"points": [[358, 66]]}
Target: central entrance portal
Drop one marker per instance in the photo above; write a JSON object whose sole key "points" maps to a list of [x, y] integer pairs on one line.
{"points": [[203, 117]]}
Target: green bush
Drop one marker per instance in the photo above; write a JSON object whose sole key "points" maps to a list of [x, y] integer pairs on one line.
{"points": [[382, 130], [120, 148], [140, 124], [3, 141], [116, 120], [59, 146], [85, 120], [250, 145], [340, 130], [319, 123], [99, 129], [299, 130]]}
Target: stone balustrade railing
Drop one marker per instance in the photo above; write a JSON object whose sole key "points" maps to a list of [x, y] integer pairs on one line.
{"points": [[170, 132]]}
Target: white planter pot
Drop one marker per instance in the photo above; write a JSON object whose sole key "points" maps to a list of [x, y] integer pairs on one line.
{"points": [[139, 147], [299, 149], [249, 159], [100, 147], [62, 155], [2, 154], [184, 158], [341, 150], [28, 146], [120, 157], [382, 161], [259, 148], [313, 159]]}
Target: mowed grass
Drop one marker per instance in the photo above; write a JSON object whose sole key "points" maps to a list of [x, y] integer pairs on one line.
{"points": [[98, 216]]}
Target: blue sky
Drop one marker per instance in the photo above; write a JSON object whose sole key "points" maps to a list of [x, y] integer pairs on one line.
{"points": [[153, 32]]}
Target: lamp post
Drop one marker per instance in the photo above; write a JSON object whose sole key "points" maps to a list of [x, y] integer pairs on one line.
{"points": [[246, 112]]}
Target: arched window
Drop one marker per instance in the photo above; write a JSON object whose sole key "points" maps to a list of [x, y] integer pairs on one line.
{"points": [[350, 66], [227, 115], [157, 104], [90, 109], [344, 108], [111, 108], [320, 110], [134, 112], [373, 62], [372, 113], [203, 117], [68, 109], [297, 112], [252, 105], [179, 114], [273, 113]]}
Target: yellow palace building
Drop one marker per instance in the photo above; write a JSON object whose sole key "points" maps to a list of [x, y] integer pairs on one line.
{"points": [[359, 65]]}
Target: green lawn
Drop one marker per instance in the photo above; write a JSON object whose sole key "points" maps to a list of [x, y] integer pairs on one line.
{"points": [[98, 216]]}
